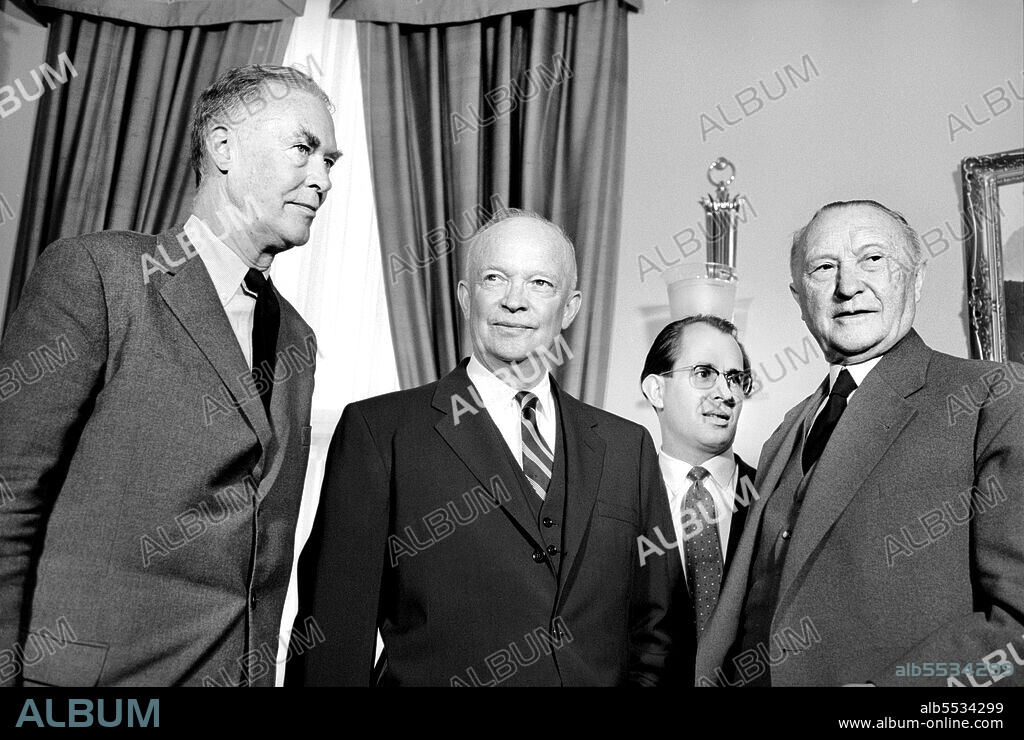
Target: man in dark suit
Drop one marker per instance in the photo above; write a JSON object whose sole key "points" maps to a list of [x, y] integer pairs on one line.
{"points": [[155, 460], [696, 376], [487, 523], [885, 547]]}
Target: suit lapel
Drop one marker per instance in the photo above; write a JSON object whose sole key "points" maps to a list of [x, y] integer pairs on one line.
{"points": [[876, 415], [739, 517], [474, 438], [584, 458], [779, 447], [192, 298]]}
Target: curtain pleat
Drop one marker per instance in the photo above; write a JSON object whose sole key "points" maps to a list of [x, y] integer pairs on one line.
{"points": [[463, 118], [111, 145], [438, 12]]}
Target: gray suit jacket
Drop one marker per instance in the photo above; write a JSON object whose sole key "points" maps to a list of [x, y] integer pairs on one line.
{"points": [[888, 566], [149, 503]]}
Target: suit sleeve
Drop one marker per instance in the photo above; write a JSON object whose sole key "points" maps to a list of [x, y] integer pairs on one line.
{"points": [[657, 645], [996, 548], [52, 359], [342, 565]]}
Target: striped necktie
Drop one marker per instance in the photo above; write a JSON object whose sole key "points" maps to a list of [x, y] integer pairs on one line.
{"points": [[538, 459]]}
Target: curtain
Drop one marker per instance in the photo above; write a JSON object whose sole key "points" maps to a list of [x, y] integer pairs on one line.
{"points": [[110, 148], [164, 13], [524, 110], [335, 280], [436, 12]]}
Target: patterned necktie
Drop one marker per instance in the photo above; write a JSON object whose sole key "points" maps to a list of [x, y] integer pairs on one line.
{"points": [[265, 326], [703, 552], [828, 418], [537, 457]]}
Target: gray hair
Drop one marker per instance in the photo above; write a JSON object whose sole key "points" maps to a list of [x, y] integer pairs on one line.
{"points": [[238, 87], [506, 214], [910, 236]]}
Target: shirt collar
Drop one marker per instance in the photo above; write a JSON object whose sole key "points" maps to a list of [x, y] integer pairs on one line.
{"points": [[495, 393], [227, 270], [721, 467], [858, 372]]}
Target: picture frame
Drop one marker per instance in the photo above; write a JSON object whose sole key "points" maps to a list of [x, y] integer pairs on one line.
{"points": [[993, 200]]}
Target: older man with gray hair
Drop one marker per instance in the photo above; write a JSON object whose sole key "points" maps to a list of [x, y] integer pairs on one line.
{"points": [[155, 459], [487, 523], [885, 547]]}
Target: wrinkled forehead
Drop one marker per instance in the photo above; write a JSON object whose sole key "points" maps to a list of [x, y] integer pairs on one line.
{"points": [[850, 227]]}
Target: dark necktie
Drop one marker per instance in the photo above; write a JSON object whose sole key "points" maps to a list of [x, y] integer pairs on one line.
{"points": [[828, 418], [537, 457], [265, 325], [703, 551]]}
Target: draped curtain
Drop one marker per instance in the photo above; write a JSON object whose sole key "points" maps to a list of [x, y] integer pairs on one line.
{"points": [[524, 109], [110, 148], [335, 279]]}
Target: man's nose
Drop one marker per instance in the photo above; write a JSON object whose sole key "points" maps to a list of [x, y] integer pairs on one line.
{"points": [[319, 175], [515, 296], [848, 282], [724, 390]]}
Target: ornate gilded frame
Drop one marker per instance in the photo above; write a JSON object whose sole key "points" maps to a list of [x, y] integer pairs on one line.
{"points": [[981, 178]]}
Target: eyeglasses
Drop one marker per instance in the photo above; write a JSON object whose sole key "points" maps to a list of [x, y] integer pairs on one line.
{"points": [[703, 377]]}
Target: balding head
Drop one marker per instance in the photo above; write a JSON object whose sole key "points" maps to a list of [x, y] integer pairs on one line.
{"points": [[518, 292], [505, 215]]}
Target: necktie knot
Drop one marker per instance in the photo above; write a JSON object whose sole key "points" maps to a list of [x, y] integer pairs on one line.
{"points": [[256, 281], [844, 385], [697, 474], [527, 400]]}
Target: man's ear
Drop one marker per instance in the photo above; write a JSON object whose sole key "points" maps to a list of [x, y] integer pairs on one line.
{"points": [[572, 307], [463, 293], [919, 281], [653, 387], [220, 148]]}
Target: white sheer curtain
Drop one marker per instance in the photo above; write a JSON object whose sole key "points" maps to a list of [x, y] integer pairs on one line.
{"points": [[336, 281]]}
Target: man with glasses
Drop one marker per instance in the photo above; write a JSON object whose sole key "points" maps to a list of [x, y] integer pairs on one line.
{"points": [[696, 377]]}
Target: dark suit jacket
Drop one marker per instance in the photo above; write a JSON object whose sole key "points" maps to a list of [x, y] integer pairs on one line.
{"points": [[452, 611], [739, 517], [925, 435], [153, 504]]}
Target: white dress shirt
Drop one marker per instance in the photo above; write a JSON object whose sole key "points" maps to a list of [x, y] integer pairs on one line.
{"points": [[858, 372], [227, 271], [721, 484], [500, 401]]}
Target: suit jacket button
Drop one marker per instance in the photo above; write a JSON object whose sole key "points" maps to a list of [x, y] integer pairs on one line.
{"points": [[539, 556], [552, 550], [548, 521], [785, 534]]}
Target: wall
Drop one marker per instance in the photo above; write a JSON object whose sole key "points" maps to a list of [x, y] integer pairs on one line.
{"points": [[869, 90], [22, 49]]}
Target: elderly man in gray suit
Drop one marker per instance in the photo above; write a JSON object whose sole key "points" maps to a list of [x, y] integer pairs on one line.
{"points": [[885, 547], [154, 418]]}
